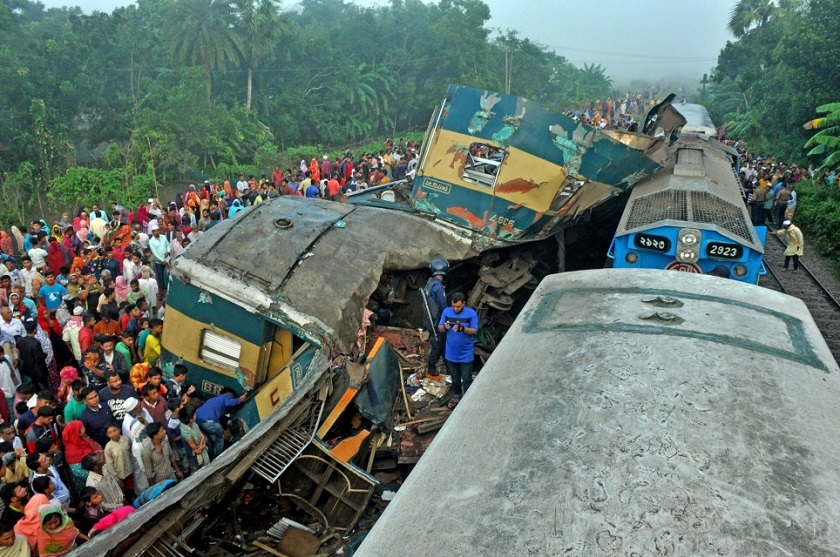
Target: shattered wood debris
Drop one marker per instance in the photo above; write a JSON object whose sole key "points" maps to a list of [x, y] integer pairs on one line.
{"points": [[338, 486]]}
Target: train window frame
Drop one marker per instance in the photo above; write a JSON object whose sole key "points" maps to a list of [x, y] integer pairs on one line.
{"points": [[483, 171], [218, 349]]}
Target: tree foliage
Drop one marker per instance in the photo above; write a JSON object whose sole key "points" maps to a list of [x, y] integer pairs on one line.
{"points": [[164, 89], [783, 65], [825, 144]]}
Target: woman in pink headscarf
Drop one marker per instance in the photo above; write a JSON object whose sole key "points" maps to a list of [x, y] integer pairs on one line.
{"points": [[78, 241], [81, 221], [68, 374], [121, 289]]}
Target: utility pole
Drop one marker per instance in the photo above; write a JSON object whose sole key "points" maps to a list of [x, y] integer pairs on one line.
{"points": [[508, 68], [704, 81]]}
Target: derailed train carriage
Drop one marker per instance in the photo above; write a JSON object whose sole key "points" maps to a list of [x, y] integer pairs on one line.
{"points": [[635, 412], [254, 300]]}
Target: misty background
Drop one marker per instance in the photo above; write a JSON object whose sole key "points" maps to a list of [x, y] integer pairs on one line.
{"points": [[678, 40]]}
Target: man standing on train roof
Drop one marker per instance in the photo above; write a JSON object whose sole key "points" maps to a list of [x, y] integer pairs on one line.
{"points": [[461, 325], [795, 243], [434, 301]]}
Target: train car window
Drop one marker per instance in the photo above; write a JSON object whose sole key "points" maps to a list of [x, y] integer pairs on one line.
{"points": [[220, 350], [483, 162]]}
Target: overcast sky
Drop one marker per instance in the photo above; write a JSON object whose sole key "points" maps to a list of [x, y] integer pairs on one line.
{"points": [[648, 39]]}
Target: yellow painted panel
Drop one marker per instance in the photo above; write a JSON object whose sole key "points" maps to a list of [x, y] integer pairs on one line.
{"points": [[526, 179], [270, 395], [280, 351], [182, 337]]}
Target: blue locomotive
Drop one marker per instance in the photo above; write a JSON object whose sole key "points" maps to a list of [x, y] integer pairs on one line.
{"points": [[691, 217]]}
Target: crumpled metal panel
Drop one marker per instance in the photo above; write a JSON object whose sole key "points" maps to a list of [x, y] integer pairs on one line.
{"points": [[315, 277]]}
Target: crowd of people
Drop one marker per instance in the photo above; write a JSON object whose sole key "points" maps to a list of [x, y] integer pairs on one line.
{"points": [[770, 193], [618, 111], [92, 426]]}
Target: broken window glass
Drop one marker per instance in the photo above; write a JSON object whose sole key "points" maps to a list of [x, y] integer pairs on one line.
{"points": [[483, 162]]}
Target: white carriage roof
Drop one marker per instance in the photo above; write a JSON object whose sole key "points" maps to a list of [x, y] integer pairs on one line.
{"points": [[602, 425]]}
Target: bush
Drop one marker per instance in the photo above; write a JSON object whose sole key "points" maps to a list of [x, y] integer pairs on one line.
{"points": [[818, 214]]}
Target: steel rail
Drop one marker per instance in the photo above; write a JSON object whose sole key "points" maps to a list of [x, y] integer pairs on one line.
{"points": [[810, 274]]}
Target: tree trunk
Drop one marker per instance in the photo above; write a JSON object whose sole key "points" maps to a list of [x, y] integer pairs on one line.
{"points": [[250, 82]]}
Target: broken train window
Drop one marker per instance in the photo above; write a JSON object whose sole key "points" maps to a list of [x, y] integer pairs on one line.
{"points": [[483, 162], [219, 350]]}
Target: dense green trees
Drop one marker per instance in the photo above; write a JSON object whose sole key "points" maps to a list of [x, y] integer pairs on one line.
{"points": [[783, 66], [166, 89]]}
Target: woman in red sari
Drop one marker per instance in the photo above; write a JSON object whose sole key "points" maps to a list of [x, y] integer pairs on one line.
{"points": [[55, 257], [314, 171], [77, 445], [7, 246]]}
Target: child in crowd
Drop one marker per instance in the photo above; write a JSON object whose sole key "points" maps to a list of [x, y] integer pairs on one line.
{"points": [[118, 457]]}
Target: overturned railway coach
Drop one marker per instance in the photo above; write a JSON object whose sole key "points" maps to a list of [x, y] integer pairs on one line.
{"points": [[635, 412], [691, 217]]}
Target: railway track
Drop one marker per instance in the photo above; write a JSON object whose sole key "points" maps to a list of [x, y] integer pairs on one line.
{"points": [[805, 285]]}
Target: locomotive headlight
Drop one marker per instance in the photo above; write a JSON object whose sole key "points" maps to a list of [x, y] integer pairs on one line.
{"points": [[631, 258], [687, 256], [739, 271], [689, 237]]}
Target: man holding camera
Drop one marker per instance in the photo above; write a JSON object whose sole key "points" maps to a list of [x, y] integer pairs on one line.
{"points": [[461, 325]]}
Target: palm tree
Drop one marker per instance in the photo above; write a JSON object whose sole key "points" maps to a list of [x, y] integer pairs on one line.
{"points": [[590, 83], [202, 34], [262, 26], [749, 13], [826, 142], [370, 89]]}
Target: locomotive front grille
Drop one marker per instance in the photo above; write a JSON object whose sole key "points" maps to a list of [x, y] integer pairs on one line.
{"points": [[663, 205], [690, 207], [710, 209]]}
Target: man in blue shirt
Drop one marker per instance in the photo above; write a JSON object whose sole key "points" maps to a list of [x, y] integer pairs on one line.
{"points": [[209, 414], [461, 325], [96, 417], [51, 292]]}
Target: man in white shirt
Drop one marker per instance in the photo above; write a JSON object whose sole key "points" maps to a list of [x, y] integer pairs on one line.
{"points": [[242, 186], [160, 256], [27, 274], [38, 255], [9, 324]]}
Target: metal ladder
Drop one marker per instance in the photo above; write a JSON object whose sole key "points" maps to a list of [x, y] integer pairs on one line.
{"points": [[291, 443]]}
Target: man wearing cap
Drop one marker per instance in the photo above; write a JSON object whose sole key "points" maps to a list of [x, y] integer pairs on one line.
{"points": [[160, 258], [795, 243], [326, 167]]}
